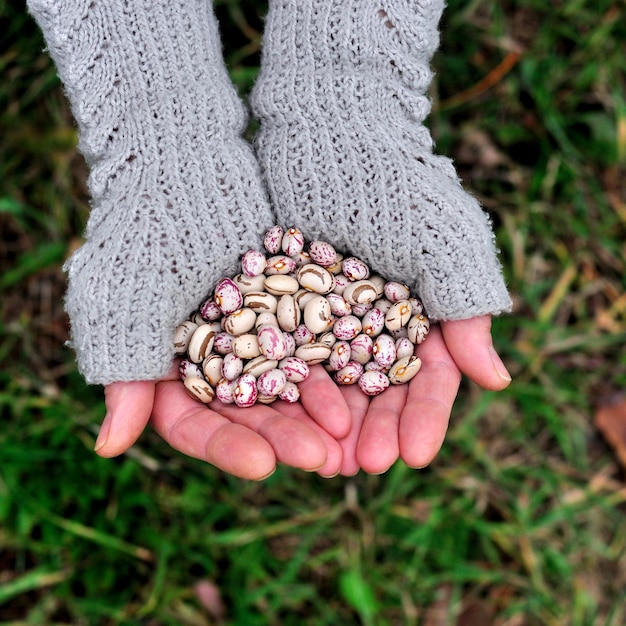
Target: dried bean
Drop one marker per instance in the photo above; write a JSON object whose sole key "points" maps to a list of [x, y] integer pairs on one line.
{"points": [[293, 306]]}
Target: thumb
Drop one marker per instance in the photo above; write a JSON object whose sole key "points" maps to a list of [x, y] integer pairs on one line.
{"points": [[470, 344], [129, 406]]}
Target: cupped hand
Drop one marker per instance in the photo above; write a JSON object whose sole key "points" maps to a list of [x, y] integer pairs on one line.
{"points": [[247, 443], [331, 430], [410, 421]]}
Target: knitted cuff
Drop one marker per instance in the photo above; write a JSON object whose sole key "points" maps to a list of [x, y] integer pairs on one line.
{"points": [[341, 97], [176, 192]]}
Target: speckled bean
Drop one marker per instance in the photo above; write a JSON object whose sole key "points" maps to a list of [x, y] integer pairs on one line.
{"points": [[404, 347], [271, 383], [417, 328], [253, 263], [349, 374], [212, 368], [196, 318], [347, 327], [417, 307], [303, 296], [224, 391], [232, 366], [315, 278], [302, 335], [290, 393], [273, 239], [279, 284], [341, 282], [317, 315], [201, 342], [338, 305], [339, 356], [313, 353], [399, 333], [199, 389], [395, 291], [290, 344], [265, 318], [280, 264], [261, 302], [223, 343], [360, 292], [328, 339], [288, 313], [228, 296], [373, 383], [188, 368], [355, 269], [240, 321], [322, 253], [398, 315], [302, 258], [293, 242], [335, 268], [404, 370], [259, 365], [384, 350], [246, 284], [296, 370], [361, 309], [272, 342], [245, 392], [379, 283], [182, 336], [210, 311], [361, 348], [246, 346], [373, 322], [383, 304]]}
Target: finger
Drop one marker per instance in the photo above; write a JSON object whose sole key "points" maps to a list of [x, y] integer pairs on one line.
{"points": [[378, 446], [295, 443], [471, 346], [128, 405], [323, 401], [431, 394], [334, 455], [199, 432], [358, 404]]}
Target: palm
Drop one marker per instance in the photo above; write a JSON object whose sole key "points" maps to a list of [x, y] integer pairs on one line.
{"points": [[332, 430]]}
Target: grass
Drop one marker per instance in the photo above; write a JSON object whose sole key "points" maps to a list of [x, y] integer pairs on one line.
{"points": [[519, 521]]}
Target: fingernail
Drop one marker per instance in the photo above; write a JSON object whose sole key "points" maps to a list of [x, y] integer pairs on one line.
{"points": [[498, 365], [103, 435], [266, 476]]}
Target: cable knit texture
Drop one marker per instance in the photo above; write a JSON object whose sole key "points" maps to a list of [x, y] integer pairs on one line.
{"points": [[342, 96], [176, 192]]}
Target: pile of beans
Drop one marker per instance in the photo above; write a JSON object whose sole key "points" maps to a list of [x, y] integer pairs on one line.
{"points": [[295, 305]]}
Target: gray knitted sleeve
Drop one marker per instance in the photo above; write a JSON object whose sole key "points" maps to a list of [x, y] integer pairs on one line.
{"points": [[341, 97], [176, 193]]}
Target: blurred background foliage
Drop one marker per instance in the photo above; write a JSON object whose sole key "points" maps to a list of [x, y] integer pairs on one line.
{"points": [[519, 521]]}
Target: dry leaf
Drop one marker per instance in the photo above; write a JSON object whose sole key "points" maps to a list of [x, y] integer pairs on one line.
{"points": [[475, 613], [610, 420]]}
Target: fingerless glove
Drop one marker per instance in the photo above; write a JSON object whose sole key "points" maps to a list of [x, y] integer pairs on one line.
{"points": [[176, 192], [341, 98]]}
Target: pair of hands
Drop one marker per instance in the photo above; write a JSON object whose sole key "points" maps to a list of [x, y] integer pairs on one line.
{"points": [[332, 430]]}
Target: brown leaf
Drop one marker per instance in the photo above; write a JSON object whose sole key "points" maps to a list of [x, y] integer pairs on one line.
{"points": [[610, 420], [475, 613]]}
